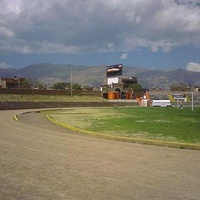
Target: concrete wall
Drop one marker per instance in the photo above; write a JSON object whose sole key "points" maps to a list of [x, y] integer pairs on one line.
{"points": [[35, 105]]}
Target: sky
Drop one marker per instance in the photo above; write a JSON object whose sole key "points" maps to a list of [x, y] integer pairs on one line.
{"points": [[159, 34]]}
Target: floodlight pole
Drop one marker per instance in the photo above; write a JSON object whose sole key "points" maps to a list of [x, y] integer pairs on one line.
{"points": [[71, 82]]}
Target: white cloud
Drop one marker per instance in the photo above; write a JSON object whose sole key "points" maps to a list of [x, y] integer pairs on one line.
{"points": [[124, 56], [4, 65], [110, 47], [6, 33], [68, 26], [195, 67]]}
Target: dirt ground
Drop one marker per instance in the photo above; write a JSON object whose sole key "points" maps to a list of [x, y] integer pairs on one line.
{"points": [[39, 160]]}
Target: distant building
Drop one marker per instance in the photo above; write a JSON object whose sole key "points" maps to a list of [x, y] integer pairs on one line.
{"points": [[117, 83], [11, 83], [128, 81], [2, 83], [197, 86]]}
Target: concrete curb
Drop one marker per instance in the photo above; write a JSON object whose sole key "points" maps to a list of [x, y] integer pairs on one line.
{"points": [[15, 117], [126, 139]]}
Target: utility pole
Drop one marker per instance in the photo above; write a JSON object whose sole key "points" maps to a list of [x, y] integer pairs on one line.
{"points": [[149, 84], [71, 83], [18, 78]]}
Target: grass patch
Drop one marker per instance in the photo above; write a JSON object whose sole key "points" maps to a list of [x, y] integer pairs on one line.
{"points": [[49, 98], [167, 124]]}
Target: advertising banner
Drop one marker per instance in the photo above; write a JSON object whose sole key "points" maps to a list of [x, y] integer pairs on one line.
{"points": [[114, 70]]}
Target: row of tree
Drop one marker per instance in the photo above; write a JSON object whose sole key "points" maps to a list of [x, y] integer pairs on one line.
{"points": [[66, 86], [28, 84], [180, 87]]}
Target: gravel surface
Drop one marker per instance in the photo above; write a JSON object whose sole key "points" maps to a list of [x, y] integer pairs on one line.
{"points": [[39, 160]]}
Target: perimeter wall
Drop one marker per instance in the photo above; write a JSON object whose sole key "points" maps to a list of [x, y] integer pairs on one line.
{"points": [[50, 92]]}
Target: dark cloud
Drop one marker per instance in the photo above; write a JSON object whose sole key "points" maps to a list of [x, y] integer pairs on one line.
{"points": [[81, 26]]}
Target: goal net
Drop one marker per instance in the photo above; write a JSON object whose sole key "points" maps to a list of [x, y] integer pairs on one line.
{"points": [[183, 100]]}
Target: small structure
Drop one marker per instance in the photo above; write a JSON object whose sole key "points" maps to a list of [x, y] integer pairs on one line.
{"points": [[2, 83], [11, 83], [161, 103], [145, 100], [178, 97], [197, 86]]}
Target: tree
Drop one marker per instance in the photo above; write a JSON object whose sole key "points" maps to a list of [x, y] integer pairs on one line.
{"points": [[59, 86], [76, 86], [26, 83], [135, 87], [179, 87]]}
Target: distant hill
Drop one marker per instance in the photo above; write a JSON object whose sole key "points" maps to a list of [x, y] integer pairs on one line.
{"points": [[49, 74], [163, 79]]}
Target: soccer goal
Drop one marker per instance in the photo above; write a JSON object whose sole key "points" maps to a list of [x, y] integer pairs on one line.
{"points": [[184, 98]]}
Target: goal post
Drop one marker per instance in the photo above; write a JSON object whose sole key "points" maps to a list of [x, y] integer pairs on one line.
{"points": [[192, 101], [185, 97]]}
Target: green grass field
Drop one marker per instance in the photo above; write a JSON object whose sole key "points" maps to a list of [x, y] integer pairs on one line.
{"points": [[166, 124]]}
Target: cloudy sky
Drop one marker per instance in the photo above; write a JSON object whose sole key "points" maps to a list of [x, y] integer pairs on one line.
{"points": [[162, 34]]}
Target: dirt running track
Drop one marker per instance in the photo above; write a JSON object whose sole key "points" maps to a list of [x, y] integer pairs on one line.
{"points": [[41, 161]]}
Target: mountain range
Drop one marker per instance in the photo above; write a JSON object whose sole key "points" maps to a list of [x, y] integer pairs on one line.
{"points": [[49, 74]]}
